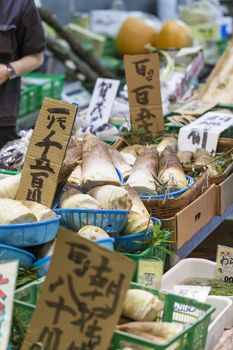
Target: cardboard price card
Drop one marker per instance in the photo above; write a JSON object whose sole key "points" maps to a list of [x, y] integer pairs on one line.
{"points": [[142, 76], [150, 272], [101, 104], [196, 107], [81, 300], [224, 267], [8, 275], [204, 132], [46, 152]]}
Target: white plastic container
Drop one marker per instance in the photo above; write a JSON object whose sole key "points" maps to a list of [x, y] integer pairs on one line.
{"points": [[194, 268], [222, 306]]}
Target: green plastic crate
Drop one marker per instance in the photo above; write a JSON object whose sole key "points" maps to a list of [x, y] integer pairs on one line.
{"points": [[25, 300], [179, 309], [49, 85], [149, 253], [29, 100]]}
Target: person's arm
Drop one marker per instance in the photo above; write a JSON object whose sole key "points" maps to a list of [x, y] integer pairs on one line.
{"points": [[25, 65]]}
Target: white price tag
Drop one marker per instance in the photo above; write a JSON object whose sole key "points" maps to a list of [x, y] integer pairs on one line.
{"points": [[102, 101], [8, 275], [204, 132], [107, 21], [199, 293], [224, 267], [150, 272]]}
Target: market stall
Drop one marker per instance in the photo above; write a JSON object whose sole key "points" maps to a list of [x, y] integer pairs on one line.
{"points": [[127, 168]]}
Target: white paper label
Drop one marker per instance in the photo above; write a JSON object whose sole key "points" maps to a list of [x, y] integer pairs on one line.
{"points": [[150, 272], [107, 21], [102, 100], [8, 275], [204, 132], [199, 293], [224, 266]]}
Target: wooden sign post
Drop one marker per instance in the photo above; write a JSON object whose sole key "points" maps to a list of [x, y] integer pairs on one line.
{"points": [[46, 152], [81, 300], [142, 76]]}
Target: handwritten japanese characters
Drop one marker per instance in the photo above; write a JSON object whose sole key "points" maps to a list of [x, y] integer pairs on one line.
{"points": [[204, 132], [101, 104], [82, 297], [142, 75], [196, 107], [8, 275], [150, 272], [224, 268], [46, 152]]}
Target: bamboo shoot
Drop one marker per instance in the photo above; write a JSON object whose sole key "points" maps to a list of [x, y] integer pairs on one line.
{"points": [[112, 197]]}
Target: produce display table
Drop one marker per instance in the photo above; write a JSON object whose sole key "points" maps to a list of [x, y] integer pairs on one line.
{"points": [[193, 243]]}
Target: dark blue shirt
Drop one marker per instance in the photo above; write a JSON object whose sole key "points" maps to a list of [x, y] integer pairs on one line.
{"points": [[21, 34]]}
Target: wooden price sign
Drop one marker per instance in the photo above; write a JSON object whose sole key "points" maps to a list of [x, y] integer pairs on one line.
{"points": [[142, 76], [81, 300], [8, 275], [46, 152], [224, 267]]}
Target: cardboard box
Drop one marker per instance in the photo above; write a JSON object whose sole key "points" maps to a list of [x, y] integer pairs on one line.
{"points": [[191, 219], [224, 195]]}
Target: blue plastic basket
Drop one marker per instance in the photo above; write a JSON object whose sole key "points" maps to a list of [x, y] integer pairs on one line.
{"points": [[29, 234], [135, 242], [42, 265], [111, 221], [7, 253], [190, 183], [107, 243]]}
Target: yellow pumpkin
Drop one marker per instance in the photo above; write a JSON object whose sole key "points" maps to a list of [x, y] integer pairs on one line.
{"points": [[134, 34], [174, 34]]}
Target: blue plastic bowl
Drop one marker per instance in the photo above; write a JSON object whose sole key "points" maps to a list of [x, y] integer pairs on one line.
{"points": [[111, 221], [174, 194], [29, 234], [107, 243], [42, 265], [135, 242], [26, 259]]}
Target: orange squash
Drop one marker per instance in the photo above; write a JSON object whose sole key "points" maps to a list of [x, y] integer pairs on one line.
{"points": [[134, 34], [174, 34]]}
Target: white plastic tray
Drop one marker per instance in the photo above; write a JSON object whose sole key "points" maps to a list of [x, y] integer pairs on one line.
{"points": [[194, 268], [222, 306]]}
